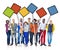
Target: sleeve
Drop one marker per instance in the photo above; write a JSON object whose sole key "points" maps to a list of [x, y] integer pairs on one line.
{"points": [[47, 27], [30, 26], [53, 28]]}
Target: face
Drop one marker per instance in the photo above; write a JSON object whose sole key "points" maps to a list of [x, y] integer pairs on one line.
{"points": [[34, 20], [50, 21], [38, 21], [29, 19], [13, 20], [21, 19], [43, 20]]}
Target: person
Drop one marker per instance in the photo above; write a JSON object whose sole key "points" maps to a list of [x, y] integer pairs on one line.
{"points": [[38, 32], [13, 31], [21, 30], [8, 31], [18, 29], [50, 30], [26, 33], [29, 21], [33, 30], [43, 32]]}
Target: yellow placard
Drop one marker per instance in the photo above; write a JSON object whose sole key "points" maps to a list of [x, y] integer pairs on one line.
{"points": [[24, 11]]}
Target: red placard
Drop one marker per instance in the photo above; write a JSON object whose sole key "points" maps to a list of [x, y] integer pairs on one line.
{"points": [[15, 8], [41, 12]]}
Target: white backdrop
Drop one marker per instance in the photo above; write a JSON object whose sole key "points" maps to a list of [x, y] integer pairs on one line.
{"points": [[39, 4]]}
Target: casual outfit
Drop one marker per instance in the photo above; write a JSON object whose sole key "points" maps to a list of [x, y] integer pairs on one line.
{"points": [[33, 30], [18, 34], [21, 33], [13, 32], [50, 29], [43, 33], [26, 33], [29, 30], [8, 32], [38, 34]]}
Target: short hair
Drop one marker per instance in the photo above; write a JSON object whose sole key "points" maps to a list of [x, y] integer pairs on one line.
{"points": [[35, 20], [29, 18]]}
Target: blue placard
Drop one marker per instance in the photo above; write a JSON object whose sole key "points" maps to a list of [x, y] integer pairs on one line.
{"points": [[52, 10], [31, 8]]}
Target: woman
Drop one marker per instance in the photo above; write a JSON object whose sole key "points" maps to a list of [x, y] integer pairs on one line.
{"points": [[21, 32], [8, 31], [50, 29], [26, 33]]}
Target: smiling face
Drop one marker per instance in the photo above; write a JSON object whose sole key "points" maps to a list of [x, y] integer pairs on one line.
{"points": [[21, 19], [13, 20], [7, 21], [43, 20], [50, 21], [29, 19]]}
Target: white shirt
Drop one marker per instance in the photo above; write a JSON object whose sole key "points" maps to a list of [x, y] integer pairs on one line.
{"points": [[42, 26], [38, 27], [9, 27]]}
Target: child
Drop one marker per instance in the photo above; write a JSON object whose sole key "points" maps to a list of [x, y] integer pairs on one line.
{"points": [[50, 29], [26, 33]]}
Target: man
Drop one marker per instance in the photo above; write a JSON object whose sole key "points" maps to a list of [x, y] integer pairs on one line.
{"points": [[43, 32], [29, 22], [13, 31], [38, 33], [50, 30], [33, 30]]}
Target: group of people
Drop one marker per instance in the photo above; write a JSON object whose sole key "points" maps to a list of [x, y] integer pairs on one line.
{"points": [[23, 32]]}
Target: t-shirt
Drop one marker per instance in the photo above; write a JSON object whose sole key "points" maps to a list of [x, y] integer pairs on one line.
{"points": [[42, 26]]}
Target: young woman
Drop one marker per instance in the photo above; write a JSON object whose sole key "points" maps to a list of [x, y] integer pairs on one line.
{"points": [[8, 31], [26, 33], [50, 29]]}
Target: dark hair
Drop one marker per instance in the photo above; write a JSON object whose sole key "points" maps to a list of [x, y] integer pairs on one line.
{"points": [[25, 22], [44, 19], [29, 18], [7, 21], [35, 20]]}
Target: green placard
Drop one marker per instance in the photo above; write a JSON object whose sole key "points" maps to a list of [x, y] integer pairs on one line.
{"points": [[8, 12]]}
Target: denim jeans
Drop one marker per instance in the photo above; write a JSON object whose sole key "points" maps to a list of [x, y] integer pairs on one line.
{"points": [[8, 36], [13, 35], [26, 34], [18, 38], [37, 37], [31, 38], [50, 37]]}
